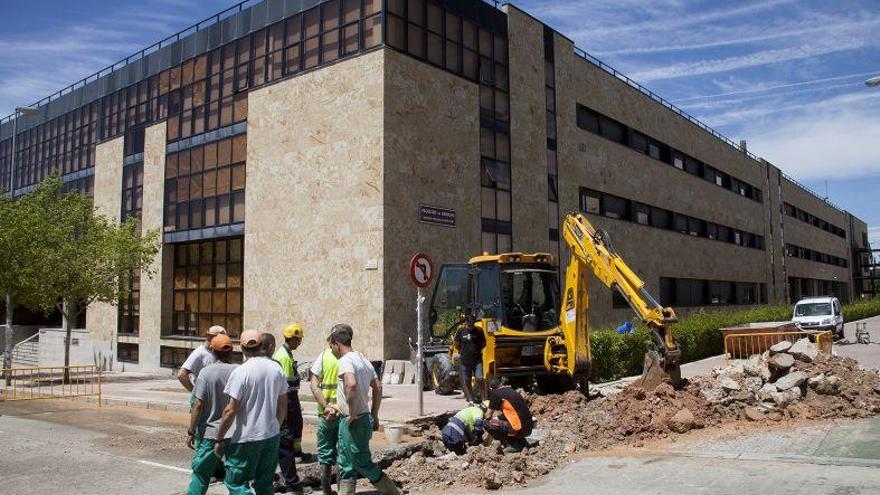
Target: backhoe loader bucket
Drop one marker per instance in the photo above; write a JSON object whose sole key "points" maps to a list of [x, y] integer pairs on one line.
{"points": [[657, 370]]}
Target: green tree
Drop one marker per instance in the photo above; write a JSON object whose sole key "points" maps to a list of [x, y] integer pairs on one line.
{"points": [[78, 256], [18, 261]]}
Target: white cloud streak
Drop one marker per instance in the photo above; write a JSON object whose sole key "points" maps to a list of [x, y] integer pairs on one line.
{"points": [[763, 57], [761, 88]]}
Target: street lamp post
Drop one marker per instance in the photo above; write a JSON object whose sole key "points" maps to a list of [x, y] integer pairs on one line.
{"points": [[7, 349]]}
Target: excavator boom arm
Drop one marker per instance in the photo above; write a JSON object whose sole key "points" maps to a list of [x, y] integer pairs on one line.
{"points": [[591, 250]]}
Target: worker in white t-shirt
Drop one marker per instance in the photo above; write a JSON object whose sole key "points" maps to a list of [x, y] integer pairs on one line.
{"points": [[251, 421], [357, 378], [200, 357]]}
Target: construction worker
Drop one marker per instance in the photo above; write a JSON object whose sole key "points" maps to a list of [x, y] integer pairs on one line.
{"points": [[470, 341], [200, 357], [268, 345], [357, 378], [251, 420], [292, 427], [205, 415], [463, 429], [323, 379], [514, 421]]}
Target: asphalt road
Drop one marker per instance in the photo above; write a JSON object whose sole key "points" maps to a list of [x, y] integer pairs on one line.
{"points": [[73, 448]]}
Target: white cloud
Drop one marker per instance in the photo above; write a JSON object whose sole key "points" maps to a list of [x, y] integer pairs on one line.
{"points": [[738, 87], [821, 143], [874, 236]]}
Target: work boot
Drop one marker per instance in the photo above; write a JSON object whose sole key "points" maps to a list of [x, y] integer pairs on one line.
{"points": [[327, 479], [299, 489], [347, 486], [386, 486]]}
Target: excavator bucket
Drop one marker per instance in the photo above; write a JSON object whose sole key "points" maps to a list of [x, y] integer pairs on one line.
{"points": [[657, 370]]}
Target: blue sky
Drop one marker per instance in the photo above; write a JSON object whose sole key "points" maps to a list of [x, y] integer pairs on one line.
{"points": [[785, 75]]}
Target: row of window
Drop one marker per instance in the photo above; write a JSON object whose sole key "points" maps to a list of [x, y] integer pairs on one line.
{"points": [[132, 204], [208, 287], [811, 255], [604, 126], [793, 211], [83, 185], [200, 94], [204, 185], [611, 206], [686, 292], [62, 145]]}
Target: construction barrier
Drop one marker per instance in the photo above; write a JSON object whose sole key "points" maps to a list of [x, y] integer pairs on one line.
{"points": [[745, 345], [48, 383]]}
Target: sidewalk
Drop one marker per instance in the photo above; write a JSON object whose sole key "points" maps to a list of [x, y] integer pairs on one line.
{"points": [[399, 402]]}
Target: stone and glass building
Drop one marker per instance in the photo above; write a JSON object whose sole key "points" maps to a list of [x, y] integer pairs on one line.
{"points": [[295, 154]]}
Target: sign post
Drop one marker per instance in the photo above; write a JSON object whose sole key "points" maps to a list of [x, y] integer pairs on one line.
{"points": [[421, 271]]}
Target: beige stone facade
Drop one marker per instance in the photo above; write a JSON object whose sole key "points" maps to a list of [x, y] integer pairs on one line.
{"points": [[314, 204]]}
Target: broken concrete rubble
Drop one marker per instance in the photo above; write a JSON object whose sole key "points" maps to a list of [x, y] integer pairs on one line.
{"points": [[793, 379], [572, 425], [804, 350], [782, 346], [781, 362], [728, 384], [753, 383]]}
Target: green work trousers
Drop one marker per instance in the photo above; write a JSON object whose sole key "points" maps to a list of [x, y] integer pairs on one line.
{"points": [[204, 465], [354, 449], [328, 436], [251, 461]]}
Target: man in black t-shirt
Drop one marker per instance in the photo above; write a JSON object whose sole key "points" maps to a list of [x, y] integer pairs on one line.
{"points": [[514, 421], [470, 341]]}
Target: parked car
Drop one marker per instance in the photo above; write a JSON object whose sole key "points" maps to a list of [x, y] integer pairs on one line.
{"points": [[819, 313]]}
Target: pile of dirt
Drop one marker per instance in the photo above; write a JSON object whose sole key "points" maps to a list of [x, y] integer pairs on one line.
{"points": [[569, 424]]}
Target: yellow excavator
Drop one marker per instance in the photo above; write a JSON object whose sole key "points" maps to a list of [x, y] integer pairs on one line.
{"points": [[533, 334]]}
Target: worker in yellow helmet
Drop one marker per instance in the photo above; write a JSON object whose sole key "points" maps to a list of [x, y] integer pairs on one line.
{"points": [[290, 446]]}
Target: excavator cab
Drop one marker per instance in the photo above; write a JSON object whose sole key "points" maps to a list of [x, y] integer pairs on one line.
{"points": [[513, 298]]}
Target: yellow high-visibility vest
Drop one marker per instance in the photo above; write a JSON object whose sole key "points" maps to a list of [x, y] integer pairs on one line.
{"points": [[329, 378]]}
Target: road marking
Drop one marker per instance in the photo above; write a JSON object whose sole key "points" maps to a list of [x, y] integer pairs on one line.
{"points": [[166, 466]]}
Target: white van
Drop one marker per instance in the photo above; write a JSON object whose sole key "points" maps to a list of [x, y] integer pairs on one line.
{"points": [[819, 313]]}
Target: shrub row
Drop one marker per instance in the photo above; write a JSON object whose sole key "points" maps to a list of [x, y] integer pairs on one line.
{"points": [[616, 356]]}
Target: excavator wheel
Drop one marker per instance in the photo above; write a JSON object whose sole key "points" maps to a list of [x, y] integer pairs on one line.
{"points": [[656, 371], [442, 377]]}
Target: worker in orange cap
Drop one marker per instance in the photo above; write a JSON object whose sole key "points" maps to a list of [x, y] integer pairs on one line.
{"points": [[205, 415]]}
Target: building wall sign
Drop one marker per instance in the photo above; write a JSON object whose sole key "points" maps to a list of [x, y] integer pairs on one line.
{"points": [[434, 215]]}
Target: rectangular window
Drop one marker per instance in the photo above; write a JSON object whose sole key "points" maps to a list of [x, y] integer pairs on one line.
{"points": [[127, 352], [613, 130], [208, 287], [591, 201], [642, 213], [660, 218], [614, 207]]}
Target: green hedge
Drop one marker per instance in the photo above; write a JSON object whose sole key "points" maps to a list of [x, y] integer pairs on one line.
{"points": [[616, 356]]}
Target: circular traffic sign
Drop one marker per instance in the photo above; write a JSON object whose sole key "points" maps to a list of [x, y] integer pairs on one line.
{"points": [[421, 270]]}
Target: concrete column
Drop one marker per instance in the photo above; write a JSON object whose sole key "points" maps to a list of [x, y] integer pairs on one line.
{"points": [[101, 318], [152, 219], [528, 132]]}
